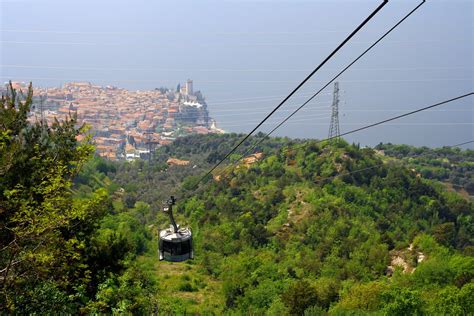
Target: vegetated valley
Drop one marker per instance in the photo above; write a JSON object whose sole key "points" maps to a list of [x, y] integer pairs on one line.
{"points": [[305, 228]]}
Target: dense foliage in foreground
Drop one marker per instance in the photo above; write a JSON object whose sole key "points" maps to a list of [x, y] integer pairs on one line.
{"points": [[59, 249], [310, 229]]}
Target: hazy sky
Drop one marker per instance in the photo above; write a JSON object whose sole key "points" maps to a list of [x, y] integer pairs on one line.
{"points": [[245, 55]]}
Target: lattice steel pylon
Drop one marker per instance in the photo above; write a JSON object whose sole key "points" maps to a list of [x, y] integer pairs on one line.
{"points": [[334, 133]]}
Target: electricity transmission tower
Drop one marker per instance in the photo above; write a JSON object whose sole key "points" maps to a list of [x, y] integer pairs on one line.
{"points": [[334, 133]]}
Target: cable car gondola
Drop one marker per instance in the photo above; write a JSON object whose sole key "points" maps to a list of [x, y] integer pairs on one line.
{"points": [[176, 244]]}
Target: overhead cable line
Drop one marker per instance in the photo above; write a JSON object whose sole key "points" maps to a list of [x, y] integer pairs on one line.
{"points": [[405, 114], [366, 126], [331, 81], [151, 69], [317, 110], [303, 120], [249, 44], [297, 88], [235, 117], [216, 82], [312, 117], [164, 32], [255, 99], [395, 118], [461, 144], [223, 115]]}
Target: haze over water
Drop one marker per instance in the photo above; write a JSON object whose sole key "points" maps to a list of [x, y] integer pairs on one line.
{"points": [[246, 55]]}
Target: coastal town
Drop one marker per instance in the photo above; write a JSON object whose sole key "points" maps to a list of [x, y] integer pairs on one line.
{"points": [[126, 124]]}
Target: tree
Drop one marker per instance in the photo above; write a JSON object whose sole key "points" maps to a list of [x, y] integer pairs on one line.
{"points": [[300, 296], [445, 233], [401, 301], [365, 297], [41, 226]]}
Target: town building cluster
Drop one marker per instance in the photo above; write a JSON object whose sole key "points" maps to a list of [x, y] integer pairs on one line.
{"points": [[126, 124]]}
